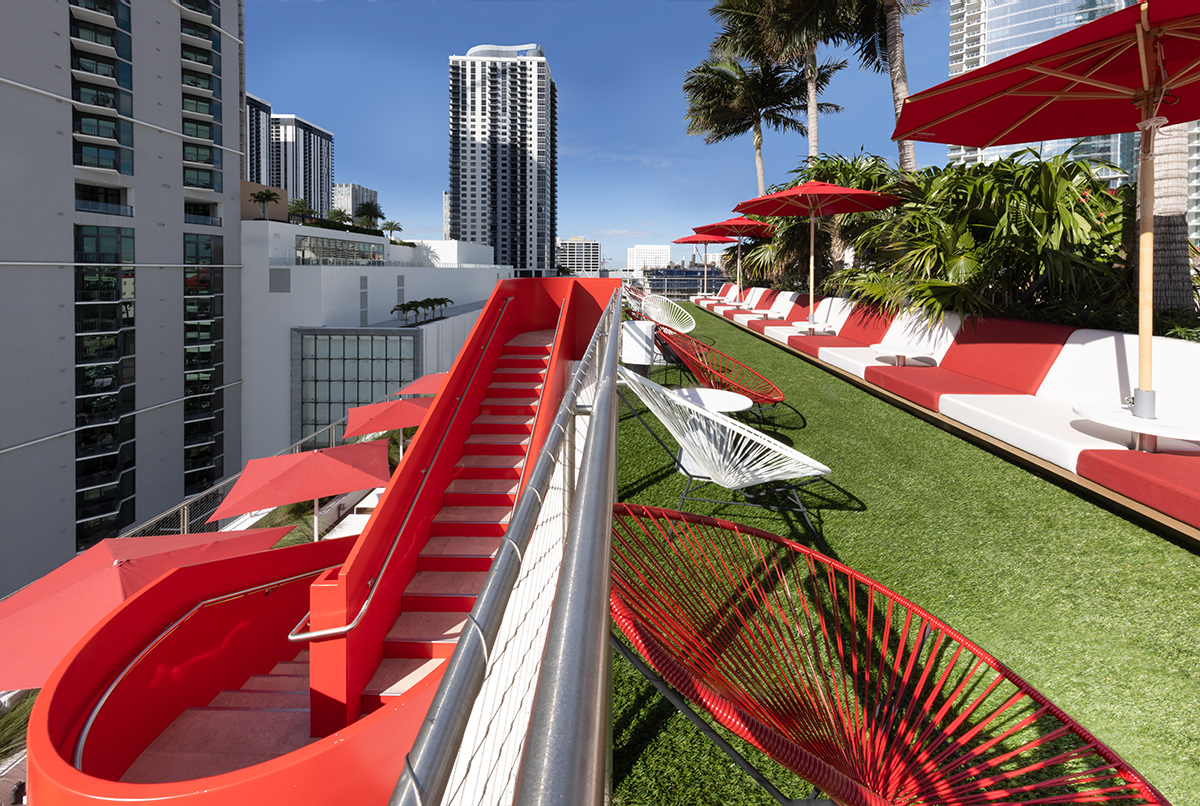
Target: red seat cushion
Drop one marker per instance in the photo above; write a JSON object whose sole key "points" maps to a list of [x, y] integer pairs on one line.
{"points": [[992, 356], [1168, 482], [926, 385], [797, 313], [864, 326]]}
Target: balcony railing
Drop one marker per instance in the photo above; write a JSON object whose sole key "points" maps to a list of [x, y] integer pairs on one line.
{"points": [[85, 206], [208, 220]]}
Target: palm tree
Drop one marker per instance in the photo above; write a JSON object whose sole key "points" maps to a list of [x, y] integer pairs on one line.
{"points": [[725, 100], [368, 211], [1172, 266], [390, 227], [300, 207], [339, 215], [789, 31], [264, 197]]}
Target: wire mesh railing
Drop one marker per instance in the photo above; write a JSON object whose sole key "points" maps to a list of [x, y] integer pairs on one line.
{"points": [[474, 736]]}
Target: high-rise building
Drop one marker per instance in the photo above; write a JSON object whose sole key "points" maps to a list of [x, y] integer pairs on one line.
{"points": [[258, 140], [302, 161], [580, 255], [503, 154], [648, 257], [121, 126], [347, 197], [983, 31]]}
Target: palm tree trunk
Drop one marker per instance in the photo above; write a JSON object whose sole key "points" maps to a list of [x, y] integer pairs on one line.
{"points": [[810, 71], [895, 46], [758, 161], [1172, 270]]}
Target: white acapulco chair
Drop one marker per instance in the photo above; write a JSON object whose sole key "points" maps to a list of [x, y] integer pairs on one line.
{"points": [[717, 449], [667, 312]]}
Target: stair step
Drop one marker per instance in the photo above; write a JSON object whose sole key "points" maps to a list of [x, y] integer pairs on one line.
{"points": [[511, 444], [446, 591], [458, 553], [424, 634], [518, 374], [489, 466], [402, 678], [277, 682], [211, 741], [291, 667], [529, 361], [503, 424], [478, 521], [481, 492], [241, 698], [508, 405], [518, 389]]}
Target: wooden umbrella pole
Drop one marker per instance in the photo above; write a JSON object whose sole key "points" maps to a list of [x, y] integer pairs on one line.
{"points": [[1146, 273], [812, 264]]}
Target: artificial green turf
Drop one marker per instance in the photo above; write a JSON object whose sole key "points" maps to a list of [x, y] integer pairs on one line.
{"points": [[1093, 610]]}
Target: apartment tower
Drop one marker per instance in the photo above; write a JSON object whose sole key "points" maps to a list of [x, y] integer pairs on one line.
{"points": [[258, 140], [504, 155], [983, 31], [120, 397], [302, 161], [580, 256], [348, 196]]}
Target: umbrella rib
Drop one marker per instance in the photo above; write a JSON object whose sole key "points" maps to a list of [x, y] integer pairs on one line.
{"points": [[1083, 79]]}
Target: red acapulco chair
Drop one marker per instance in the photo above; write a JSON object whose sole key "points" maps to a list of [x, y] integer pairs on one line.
{"points": [[849, 685]]}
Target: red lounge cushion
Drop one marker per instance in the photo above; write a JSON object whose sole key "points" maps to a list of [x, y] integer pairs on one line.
{"points": [[1008, 352], [926, 385], [1168, 482], [864, 326]]}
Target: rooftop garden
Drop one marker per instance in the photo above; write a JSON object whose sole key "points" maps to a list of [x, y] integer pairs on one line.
{"points": [[1094, 610]]}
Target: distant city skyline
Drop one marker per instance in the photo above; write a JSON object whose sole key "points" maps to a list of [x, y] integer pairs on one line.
{"points": [[628, 172]]}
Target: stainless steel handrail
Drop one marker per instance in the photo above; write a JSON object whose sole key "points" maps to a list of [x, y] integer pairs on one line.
{"points": [[428, 765], [331, 632], [565, 758]]}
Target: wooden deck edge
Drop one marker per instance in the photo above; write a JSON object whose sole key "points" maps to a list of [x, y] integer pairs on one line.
{"points": [[1137, 511]]}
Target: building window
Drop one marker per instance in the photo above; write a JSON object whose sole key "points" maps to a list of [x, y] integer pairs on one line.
{"points": [[203, 154], [99, 126], [200, 178], [103, 244], [107, 97], [201, 106], [95, 199], [201, 81], [203, 249], [341, 371]]}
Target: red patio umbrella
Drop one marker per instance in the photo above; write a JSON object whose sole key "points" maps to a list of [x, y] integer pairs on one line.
{"points": [[42, 621], [814, 199], [277, 480], [1116, 74], [706, 240], [429, 384], [736, 228], [386, 416]]}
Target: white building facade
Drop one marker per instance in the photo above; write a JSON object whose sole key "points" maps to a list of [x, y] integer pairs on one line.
{"points": [[580, 256], [302, 161], [641, 257], [347, 196], [503, 155], [121, 314]]}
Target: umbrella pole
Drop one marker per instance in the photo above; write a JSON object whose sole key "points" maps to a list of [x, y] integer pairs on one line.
{"points": [[704, 291], [316, 519], [1143, 396], [812, 264], [739, 271]]}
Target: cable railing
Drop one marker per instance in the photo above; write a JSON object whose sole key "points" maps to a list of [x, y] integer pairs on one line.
{"points": [[475, 729]]}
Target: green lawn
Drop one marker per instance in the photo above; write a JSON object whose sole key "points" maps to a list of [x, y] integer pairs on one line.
{"points": [[1098, 613]]}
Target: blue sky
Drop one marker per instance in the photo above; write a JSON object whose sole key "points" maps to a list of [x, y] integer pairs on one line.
{"points": [[375, 74]]}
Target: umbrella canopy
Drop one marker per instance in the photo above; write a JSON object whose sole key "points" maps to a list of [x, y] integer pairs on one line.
{"points": [[276, 480], [386, 416], [814, 199], [737, 228], [706, 240], [429, 384], [42, 621], [1116, 74]]}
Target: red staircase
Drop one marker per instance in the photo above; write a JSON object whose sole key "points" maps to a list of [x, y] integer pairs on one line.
{"points": [[269, 715]]}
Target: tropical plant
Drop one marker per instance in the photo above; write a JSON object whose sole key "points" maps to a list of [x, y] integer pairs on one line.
{"points": [[1019, 232], [368, 211], [339, 215], [728, 98], [391, 227], [263, 198], [300, 207]]}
